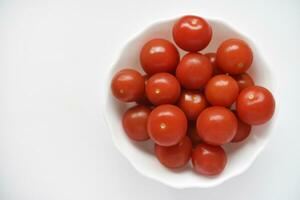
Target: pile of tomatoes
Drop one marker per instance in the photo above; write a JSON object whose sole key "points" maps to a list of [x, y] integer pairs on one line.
{"points": [[190, 106]]}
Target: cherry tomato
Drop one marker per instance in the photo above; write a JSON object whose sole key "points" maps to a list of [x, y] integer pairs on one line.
{"points": [[194, 70], [255, 105], [162, 88], [209, 160], [167, 125], [175, 156], [243, 80], [159, 55], [217, 125], [135, 122], [193, 134], [128, 85], [242, 133], [213, 61], [221, 90], [234, 56], [192, 103], [192, 33]]}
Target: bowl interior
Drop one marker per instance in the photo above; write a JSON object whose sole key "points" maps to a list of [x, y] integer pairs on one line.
{"points": [[141, 155]]}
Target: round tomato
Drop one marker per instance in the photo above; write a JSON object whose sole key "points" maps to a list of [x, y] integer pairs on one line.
{"points": [[174, 156], [135, 122], [221, 90], [128, 85], [162, 88], [192, 103], [167, 125], [213, 60], [255, 105], [209, 160], [159, 55], [234, 56], [192, 33], [217, 125], [193, 134], [194, 70], [243, 80], [242, 132]]}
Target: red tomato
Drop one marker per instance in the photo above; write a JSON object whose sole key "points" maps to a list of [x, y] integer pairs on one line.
{"points": [[221, 90], [255, 105], [216, 125], [213, 60], [135, 122], [242, 133], [243, 80], [162, 88], [175, 156], [192, 33], [128, 85], [159, 55], [193, 134], [167, 125], [192, 103], [194, 70], [234, 56], [209, 160]]}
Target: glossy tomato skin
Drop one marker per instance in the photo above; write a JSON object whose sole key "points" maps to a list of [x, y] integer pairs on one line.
{"points": [[159, 55], [255, 105], [192, 33], [167, 125], [128, 85], [176, 156], [209, 160], [243, 80], [213, 61], [192, 103], [242, 132], [135, 122], [163, 88], [234, 56], [193, 134], [217, 125], [194, 70], [221, 90]]}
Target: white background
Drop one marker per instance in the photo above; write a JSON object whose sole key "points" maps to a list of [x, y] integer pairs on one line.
{"points": [[54, 56]]}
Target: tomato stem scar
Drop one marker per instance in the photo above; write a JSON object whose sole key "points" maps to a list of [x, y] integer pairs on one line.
{"points": [[251, 96], [163, 125], [241, 65]]}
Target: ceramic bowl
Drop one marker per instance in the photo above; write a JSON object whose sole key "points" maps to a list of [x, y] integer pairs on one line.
{"points": [[141, 154]]}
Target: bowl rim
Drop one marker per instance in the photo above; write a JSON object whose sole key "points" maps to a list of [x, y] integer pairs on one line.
{"points": [[130, 160]]}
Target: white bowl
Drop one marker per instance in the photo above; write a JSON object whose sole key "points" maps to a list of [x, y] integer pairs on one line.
{"points": [[141, 155]]}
